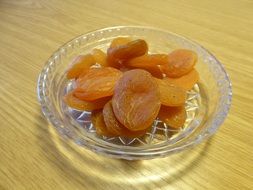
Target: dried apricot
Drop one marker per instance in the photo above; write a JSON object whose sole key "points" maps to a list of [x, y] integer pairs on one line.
{"points": [[187, 81], [114, 126], [97, 120], [171, 95], [148, 60], [97, 83], [78, 104], [173, 116], [155, 71], [150, 63], [119, 54], [136, 100], [99, 56], [80, 63], [133, 134], [124, 68], [120, 41], [181, 62]]}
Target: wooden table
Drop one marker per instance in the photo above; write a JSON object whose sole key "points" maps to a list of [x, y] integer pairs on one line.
{"points": [[32, 156]]}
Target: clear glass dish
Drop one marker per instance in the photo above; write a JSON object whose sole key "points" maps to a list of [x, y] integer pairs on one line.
{"points": [[207, 104]]}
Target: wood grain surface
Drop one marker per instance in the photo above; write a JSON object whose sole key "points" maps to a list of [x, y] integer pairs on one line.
{"points": [[32, 156]]}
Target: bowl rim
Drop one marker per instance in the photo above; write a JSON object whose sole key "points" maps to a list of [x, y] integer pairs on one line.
{"points": [[142, 154]]}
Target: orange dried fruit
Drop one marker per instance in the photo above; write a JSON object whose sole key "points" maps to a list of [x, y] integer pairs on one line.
{"points": [[114, 126], [155, 71], [171, 95], [173, 116], [124, 68], [99, 56], [119, 54], [150, 63], [97, 120], [80, 63], [78, 104], [187, 81], [133, 134], [86, 71], [181, 62], [97, 83], [148, 60], [120, 41], [136, 100]]}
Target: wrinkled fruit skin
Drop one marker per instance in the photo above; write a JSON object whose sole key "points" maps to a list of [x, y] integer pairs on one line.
{"points": [[173, 116], [150, 63], [186, 81], [97, 120], [171, 95], [181, 62], [97, 83], [80, 64], [155, 72], [115, 127], [78, 104], [136, 100], [148, 60], [116, 56]]}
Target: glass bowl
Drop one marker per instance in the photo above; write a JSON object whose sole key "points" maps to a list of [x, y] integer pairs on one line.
{"points": [[207, 105]]}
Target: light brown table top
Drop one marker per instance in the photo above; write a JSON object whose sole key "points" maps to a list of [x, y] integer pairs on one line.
{"points": [[32, 156]]}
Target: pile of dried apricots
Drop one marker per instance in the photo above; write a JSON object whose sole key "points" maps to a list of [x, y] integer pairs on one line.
{"points": [[127, 88]]}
